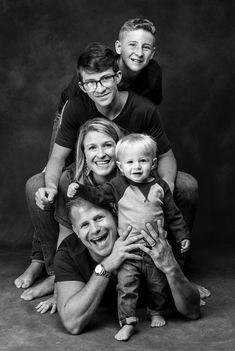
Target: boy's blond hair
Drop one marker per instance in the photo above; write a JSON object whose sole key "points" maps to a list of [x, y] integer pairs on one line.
{"points": [[137, 23], [131, 140]]}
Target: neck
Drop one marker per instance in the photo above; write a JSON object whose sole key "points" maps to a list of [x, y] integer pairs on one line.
{"points": [[114, 109], [99, 179], [127, 75]]}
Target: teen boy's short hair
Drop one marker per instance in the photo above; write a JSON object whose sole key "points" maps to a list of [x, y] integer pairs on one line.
{"points": [[131, 140], [137, 23], [96, 57]]}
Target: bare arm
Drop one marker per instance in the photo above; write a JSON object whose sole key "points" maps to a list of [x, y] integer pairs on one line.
{"points": [[77, 301], [46, 196], [186, 296], [167, 168]]}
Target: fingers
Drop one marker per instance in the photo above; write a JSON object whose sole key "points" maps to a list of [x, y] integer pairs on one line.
{"points": [[126, 232]]}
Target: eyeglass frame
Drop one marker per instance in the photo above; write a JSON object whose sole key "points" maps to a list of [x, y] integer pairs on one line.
{"points": [[81, 84]]}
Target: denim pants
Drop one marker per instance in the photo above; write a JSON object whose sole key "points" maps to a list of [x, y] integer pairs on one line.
{"points": [[46, 229], [128, 288]]}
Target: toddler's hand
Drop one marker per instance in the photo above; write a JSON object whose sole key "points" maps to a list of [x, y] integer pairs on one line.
{"points": [[72, 189], [185, 244]]}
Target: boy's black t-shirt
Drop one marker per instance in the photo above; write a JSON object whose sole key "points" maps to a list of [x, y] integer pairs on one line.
{"points": [[139, 115], [148, 83]]}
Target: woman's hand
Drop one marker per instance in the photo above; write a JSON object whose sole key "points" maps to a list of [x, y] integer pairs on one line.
{"points": [[47, 305]]}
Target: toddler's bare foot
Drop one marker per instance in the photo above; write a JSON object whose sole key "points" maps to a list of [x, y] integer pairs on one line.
{"points": [[38, 290], [29, 276], [125, 332], [157, 321]]}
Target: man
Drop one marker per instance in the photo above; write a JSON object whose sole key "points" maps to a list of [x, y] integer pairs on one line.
{"points": [[86, 262]]}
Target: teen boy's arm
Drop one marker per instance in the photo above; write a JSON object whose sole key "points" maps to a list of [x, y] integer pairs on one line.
{"points": [[167, 168], [46, 196]]}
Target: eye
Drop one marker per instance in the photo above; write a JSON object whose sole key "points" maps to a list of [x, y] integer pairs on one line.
{"points": [[84, 225], [108, 145], [147, 48], [143, 160], [99, 218], [132, 44], [91, 147], [129, 162]]}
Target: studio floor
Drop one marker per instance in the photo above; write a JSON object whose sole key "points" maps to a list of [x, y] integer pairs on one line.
{"points": [[22, 328]]}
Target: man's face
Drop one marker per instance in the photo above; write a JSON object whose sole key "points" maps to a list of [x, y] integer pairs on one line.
{"points": [[103, 96], [96, 228], [136, 49]]}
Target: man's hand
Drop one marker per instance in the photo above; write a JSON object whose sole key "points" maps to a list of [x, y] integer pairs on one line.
{"points": [[161, 252], [72, 189], [122, 250], [45, 197]]}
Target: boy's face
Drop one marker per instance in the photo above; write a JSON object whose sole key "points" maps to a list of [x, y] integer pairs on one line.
{"points": [[136, 49], [104, 94], [135, 164]]}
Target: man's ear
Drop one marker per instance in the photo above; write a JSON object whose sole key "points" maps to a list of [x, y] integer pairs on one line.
{"points": [[118, 47], [154, 165], [118, 76], [119, 166]]}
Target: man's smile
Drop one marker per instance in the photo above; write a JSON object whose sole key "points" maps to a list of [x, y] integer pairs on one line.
{"points": [[100, 240]]}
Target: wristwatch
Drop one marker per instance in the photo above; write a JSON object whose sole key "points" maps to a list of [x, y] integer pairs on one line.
{"points": [[100, 270]]}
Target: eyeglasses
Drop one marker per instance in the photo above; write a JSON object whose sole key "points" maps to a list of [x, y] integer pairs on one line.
{"points": [[91, 85]]}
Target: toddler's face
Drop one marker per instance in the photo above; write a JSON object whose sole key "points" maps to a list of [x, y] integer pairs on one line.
{"points": [[135, 164]]}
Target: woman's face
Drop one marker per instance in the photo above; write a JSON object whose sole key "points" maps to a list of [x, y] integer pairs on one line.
{"points": [[99, 152]]}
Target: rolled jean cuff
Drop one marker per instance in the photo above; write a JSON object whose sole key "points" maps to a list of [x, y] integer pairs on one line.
{"points": [[154, 313], [129, 321]]}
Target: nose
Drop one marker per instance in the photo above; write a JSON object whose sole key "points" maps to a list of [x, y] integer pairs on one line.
{"points": [[139, 51], [100, 87], [94, 228], [100, 152], [136, 165]]}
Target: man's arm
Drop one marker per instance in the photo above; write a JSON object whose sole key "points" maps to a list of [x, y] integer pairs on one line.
{"points": [[77, 301], [46, 196], [186, 296], [167, 168]]}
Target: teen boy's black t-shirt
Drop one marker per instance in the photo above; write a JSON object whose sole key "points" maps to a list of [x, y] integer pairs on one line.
{"points": [[148, 83], [139, 115]]}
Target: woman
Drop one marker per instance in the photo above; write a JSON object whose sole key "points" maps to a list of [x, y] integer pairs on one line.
{"points": [[96, 164]]}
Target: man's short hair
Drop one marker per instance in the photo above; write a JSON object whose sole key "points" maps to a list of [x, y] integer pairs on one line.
{"points": [[137, 23], [96, 57], [131, 140], [80, 202]]}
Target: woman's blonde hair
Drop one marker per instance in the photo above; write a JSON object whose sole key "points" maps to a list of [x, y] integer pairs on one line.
{"points": [[100, 125]]}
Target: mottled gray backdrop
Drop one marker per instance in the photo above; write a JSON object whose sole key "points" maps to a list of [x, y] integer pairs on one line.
{"points": [[40, 41]]}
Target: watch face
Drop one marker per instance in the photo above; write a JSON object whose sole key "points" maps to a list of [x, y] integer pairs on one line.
{"points": [[99, 269]]}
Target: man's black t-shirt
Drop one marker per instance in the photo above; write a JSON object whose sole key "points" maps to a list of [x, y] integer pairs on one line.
{"points": [[139, 115], [73, 262], [148, 83]]}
